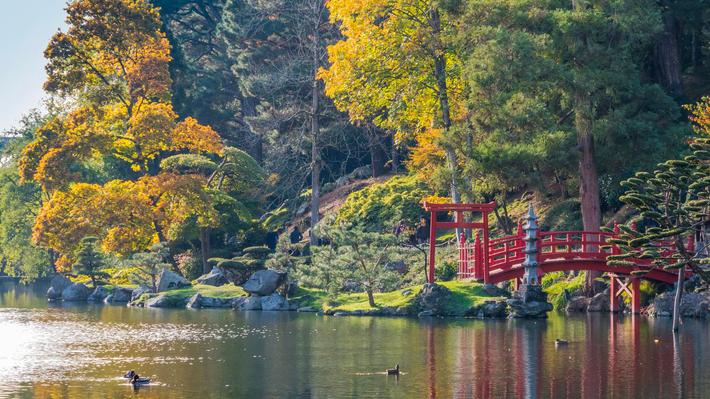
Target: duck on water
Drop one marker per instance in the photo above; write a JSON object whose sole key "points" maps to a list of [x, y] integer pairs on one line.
{"points": [[135, 379]]}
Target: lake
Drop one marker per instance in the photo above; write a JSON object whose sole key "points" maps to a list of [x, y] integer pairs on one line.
{"points": [[81, 351]]}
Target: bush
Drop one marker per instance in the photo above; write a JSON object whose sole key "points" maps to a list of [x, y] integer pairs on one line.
{"points": [[188, 264], [446, 271], [380, 206]]}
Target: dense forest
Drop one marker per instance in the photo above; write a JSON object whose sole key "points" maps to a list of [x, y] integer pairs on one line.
{"points": [[208, 125]]}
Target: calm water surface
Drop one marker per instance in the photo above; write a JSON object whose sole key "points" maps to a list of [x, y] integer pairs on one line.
{"points": [[80, 351]]}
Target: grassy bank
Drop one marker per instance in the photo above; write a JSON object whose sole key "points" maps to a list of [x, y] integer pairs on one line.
{"points": [[464, 296]]}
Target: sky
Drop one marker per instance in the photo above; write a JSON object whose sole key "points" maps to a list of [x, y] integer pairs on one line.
{"points": [[25, 29]]}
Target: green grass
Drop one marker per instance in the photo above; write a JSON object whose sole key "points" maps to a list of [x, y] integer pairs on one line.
{"points": [[464, 296]]}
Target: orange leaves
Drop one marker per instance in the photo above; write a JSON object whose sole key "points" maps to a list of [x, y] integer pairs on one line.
{"points": [[190, 135], [427, 155]]}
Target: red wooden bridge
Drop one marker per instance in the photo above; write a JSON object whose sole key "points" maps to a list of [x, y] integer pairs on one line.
{"points": [[497, 260]]}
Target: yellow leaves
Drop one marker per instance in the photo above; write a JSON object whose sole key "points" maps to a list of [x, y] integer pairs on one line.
{"points": [[427, 155], [700, 116], [190, 135], [126, 216]]}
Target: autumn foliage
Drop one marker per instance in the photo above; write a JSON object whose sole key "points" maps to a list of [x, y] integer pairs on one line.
{"points": [[112, 63]]}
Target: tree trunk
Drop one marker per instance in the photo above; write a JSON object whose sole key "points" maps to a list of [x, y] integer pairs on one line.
{"points": [[440, 75], [371, 298], [394, 155], [205, 249], [678, 296], [315, 150], [667, 54], [588, 179], [377, 156], [249, 110]]}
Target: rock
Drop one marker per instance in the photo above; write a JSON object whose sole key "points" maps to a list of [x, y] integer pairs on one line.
{"points": [[122, 295], [108, 298], [170, 281], [210, 302], [53, 295], [274, 302], [494, 290], [692, 304], [342, 181], [165, 301], [264, 282], [529, 302], [493, 309], [433, 297], [407, 292], [577, 304], [599, 302], [136, 293], [425, 313], [56, 286], [194, 302], [249, 303], [99, 294], [306, 309], [290, 288], [215, 277], [397, 266], [340, 314], [75, 293], [363, 172]]}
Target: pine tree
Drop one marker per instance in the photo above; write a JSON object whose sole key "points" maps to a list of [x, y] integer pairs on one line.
{"points": [[89, 261]]}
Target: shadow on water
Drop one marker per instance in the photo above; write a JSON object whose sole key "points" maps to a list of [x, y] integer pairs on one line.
{"points": [[80, 351]]}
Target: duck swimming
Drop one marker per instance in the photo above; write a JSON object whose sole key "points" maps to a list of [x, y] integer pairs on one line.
{"points": [[394, 371], [560, 342], [138, 381]]}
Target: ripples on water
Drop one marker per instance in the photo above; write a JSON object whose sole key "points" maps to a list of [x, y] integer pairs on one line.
{"points": [[80, 351]]}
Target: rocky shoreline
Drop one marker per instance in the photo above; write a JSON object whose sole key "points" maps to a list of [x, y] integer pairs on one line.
{"points": [[265, 290]]}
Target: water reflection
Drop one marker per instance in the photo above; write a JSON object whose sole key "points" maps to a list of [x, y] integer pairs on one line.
{"points": [[80, 351]]}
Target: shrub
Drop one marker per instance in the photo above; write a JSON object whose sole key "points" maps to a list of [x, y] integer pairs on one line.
{"points": [[381, 205], [446, 271], [188, 264]]}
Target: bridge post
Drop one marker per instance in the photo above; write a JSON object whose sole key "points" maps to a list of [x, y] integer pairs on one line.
{"points": [[635, 295], [478, 257]]}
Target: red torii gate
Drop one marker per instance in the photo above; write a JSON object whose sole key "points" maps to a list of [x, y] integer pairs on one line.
{"points": [[458, 223]]}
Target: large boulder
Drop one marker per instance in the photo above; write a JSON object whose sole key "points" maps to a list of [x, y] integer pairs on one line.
{"points": [[57, 286], [433, 297], [99, 294], [692, 304], [170, 281], [489, 309], [195, 302], [578, 304], [76, 292], [599, 302], [137, 292], [264, 282], [274, 302], [165, 301], [215, 277], [529, 302], [247, 303], [122, 295], [198, 301]]}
